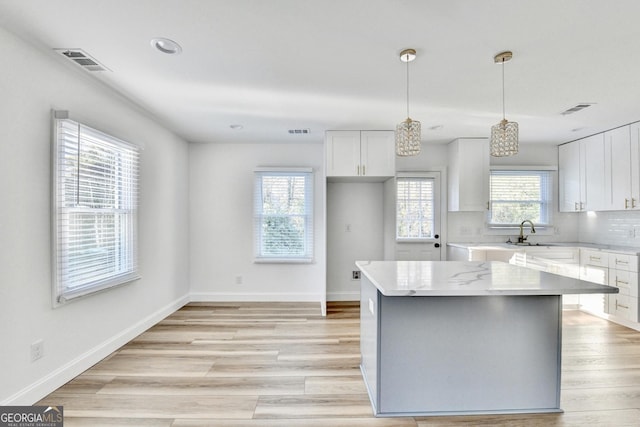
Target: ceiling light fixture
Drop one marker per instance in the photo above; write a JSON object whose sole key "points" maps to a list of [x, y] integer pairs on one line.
{"points": [[166, 46], [504, 135], [408, 131]]}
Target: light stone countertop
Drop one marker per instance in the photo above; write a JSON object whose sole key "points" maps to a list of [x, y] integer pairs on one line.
{"points": [[494, 246], [469, 278]]}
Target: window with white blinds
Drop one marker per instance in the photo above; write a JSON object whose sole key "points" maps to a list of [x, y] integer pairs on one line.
{"points": [[283, 215], [415, 208], [517, 195], [95, 210]]}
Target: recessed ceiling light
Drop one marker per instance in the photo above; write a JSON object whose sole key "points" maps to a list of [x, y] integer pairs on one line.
{"points": [[166, 46], [236, 127]]}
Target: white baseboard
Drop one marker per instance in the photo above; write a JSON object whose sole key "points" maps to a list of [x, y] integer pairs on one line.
{"points": [[254, 297], [41, 388]]}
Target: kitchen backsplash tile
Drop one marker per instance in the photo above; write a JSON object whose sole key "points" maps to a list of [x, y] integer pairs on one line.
{"points": [[610, 228], [470, 227]]}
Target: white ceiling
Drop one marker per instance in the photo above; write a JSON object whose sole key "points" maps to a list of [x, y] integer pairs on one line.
{"points": [[274, 65]]}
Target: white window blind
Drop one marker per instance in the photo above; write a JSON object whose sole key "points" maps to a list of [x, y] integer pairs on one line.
{"points": [[95, 210], [283, 215], [517, 195], [415, 208]]}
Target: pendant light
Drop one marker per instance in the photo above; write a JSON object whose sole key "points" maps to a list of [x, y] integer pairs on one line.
{"points": [[408, 131], [504, 135]]}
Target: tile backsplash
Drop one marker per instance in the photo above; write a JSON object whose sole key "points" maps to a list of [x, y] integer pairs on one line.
{"points": [[621, 228], [470, 227], [610, 228]]}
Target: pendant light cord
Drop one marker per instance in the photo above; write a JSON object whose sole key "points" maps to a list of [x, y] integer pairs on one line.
{"points": [[408, 85], [503, 109]]}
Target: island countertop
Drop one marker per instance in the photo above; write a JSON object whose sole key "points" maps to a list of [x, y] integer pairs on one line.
{"points": [[469, 278]]}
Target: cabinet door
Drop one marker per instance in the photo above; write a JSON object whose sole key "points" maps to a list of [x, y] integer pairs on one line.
{"points": [[569, 177], [377, 153], [618, 163], [593, 195], [469, 175], [343, 153], [635, 165]]}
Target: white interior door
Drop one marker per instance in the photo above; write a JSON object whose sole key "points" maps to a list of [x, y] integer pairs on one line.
{"points": [[427, 247]]}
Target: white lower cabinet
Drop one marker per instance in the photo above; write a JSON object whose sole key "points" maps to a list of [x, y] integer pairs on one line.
{"points": [[623, 274], [604, 267], [594, 267], [613, 269]]}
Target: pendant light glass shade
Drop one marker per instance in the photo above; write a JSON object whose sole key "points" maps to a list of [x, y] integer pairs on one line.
{"points": [[408, 138], [408, 132], [504, 139], [504, 135]]}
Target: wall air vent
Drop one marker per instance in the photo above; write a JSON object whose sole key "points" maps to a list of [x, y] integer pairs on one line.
{"points": [[577, 108], [82, 58], [299, 131]]}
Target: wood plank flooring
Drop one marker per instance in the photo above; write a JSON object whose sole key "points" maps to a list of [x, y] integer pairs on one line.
{"points": [[282, 364]]}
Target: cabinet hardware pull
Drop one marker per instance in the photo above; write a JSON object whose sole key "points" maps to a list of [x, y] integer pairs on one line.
{"points": [[594, 258], [575, 206], [621, 282], [581, 206], [621, 306], [364, 170], [626, 203], [358, 170], [488, 206], [619, 261], [633, 202]]}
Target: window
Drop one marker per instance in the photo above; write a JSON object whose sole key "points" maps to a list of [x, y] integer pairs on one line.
{"points": [[283, 215], [415, 208], [517, 195], [95, 210]]}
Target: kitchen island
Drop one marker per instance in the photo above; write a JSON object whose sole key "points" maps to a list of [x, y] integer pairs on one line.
{"points": [[449, 337]]}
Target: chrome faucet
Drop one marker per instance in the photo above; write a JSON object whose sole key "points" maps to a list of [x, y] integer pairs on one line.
{"points": [[522, 238]]}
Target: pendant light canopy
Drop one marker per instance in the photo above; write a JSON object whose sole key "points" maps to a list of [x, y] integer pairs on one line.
{"points": [[408, 131], [504, 135]]}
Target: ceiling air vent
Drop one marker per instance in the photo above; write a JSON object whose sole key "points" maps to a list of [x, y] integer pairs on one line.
{"points": [[83, 59], [577, 108], [299, 131]]}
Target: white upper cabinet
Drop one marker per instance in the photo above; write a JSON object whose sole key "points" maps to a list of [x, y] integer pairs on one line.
{"points": [[617, 163], [601, 172], [468, 174], [570, 178], [360, 153], [582, 175], [592, 152], [634, 132]]}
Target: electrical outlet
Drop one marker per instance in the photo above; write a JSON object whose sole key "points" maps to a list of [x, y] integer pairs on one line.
{"points": [[37, 350], [238, 280], [355, 275]]}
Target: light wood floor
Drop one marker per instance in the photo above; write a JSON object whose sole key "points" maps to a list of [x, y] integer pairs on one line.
{"points": [[277, 364]]}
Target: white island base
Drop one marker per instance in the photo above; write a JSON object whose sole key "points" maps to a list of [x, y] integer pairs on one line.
{"points": [[440, 354]]}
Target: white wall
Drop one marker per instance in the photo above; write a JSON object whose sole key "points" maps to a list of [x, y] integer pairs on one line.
{"points": [[82, 332], [221, 224], [354, 233]]}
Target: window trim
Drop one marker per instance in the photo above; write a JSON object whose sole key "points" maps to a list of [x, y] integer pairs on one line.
{"points": [[62, 292], [552, 177], [309, 238]]}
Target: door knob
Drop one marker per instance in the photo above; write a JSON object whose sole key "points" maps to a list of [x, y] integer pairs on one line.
{"points": [[437, 245]]}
